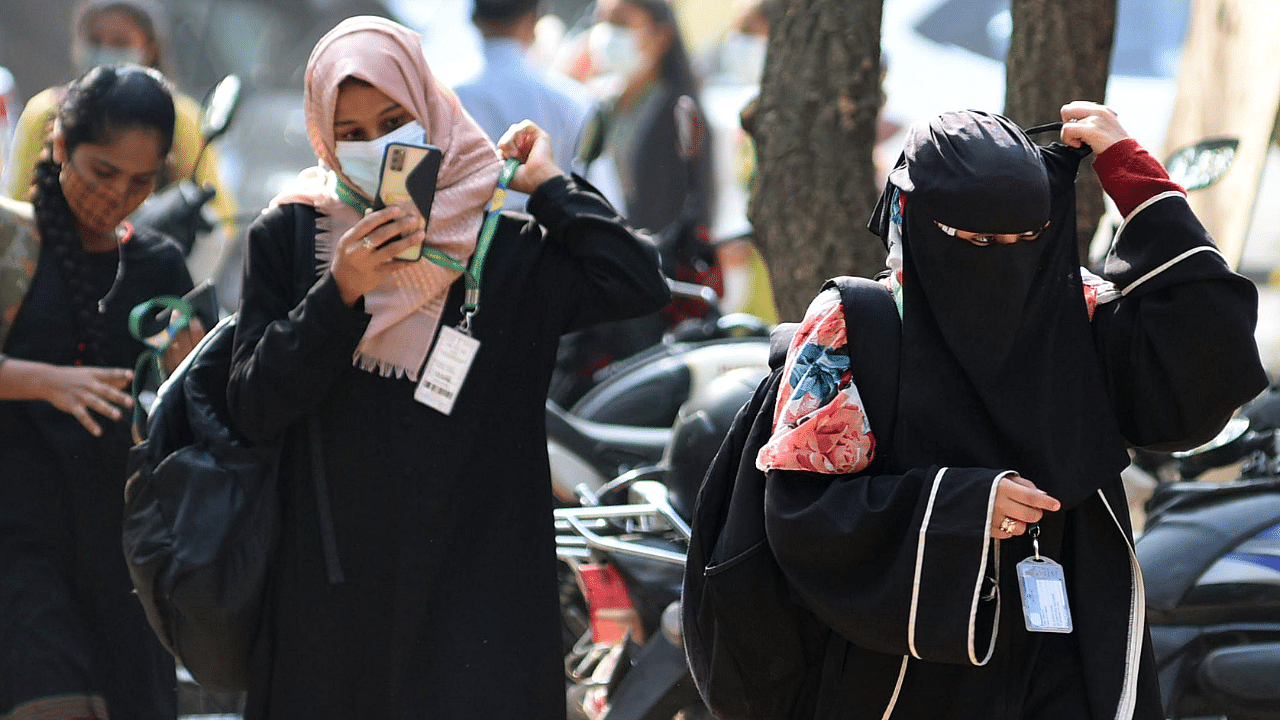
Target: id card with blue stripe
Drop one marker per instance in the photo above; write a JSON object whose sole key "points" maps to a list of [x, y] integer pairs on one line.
{"points": [[1044, 595]]}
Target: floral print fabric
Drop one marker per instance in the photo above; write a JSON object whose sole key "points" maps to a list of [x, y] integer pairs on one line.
{"points": [[819, 424]]}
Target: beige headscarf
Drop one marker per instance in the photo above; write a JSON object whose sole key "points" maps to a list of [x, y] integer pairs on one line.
{"points": [[406, 307]]}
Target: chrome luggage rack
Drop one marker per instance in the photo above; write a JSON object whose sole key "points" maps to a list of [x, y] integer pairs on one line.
{"points": [[620, 528]]}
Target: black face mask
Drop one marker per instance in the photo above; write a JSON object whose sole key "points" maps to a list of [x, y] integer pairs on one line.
{"points": [[978, 294]]}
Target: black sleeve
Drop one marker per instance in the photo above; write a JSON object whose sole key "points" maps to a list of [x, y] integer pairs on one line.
{"points": [[1177, 348], [899, 564], [602, 270], [287, 353]]}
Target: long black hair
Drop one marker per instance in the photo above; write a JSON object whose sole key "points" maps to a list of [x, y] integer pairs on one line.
{"points": [[97, 108]]}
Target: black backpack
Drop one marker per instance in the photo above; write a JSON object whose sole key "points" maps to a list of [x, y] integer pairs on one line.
{"points": [[200, 520], [202, 508], [754, 650]]}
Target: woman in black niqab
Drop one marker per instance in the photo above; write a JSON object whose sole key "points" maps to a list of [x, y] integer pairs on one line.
{"points": [[1010, 374], [998, 365]]}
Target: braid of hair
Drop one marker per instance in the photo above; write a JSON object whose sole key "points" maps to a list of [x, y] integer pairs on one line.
{"points": [[57, 227]]}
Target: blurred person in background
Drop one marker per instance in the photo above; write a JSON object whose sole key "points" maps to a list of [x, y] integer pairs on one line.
{"points": [[639, 145], [511, 88], [112, 32], [731, 70], [76, 643], [646, 148], [738, 56]]}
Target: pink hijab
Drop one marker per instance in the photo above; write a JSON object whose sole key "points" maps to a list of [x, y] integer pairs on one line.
{"points": [[406, 307]]}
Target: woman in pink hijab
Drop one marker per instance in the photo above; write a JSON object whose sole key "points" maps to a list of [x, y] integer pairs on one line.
{"points": [[415, 576]]}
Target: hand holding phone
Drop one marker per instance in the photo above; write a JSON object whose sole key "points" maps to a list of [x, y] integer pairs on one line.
{"points": [[408, 179]]}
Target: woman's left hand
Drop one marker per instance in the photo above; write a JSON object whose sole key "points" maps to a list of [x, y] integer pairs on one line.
{"points": [[531, 145], [183, 343], [1088, 123]]}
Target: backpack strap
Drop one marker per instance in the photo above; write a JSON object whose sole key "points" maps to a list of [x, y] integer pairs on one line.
{"points": [[874, 332]]}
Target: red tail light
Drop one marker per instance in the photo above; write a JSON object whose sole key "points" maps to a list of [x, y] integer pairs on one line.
{"points": [[612, 613]]}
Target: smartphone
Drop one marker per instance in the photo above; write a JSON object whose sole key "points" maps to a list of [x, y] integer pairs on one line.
{"points": [[203, 299], [204, 303], [408, 179]]}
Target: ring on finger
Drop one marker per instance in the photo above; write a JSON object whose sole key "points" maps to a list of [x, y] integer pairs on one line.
{"points": [[1009, 525]]}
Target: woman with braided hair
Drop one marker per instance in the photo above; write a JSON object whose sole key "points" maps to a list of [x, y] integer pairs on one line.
{"points": [[76, 644]]}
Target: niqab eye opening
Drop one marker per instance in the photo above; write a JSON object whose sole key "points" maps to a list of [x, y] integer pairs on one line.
{"points": [[984, 240]]}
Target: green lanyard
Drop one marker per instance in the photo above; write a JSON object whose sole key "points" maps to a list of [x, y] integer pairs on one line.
{"points": [[471, 303], [355, 200], [180, 314], [472, 272]]}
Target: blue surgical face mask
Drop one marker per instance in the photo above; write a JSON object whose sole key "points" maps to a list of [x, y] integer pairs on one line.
{"points": [[742, 56], [361, 160], [102, 55]]}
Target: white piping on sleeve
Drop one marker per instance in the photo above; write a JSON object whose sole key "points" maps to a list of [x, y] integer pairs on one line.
{"points": [[1137, 621], [982, 572], [893, 701], [1145, 204], [915, 586], [1125, 223], [1170, 263]]}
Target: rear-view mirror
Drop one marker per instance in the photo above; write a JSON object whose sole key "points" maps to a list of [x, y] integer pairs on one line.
{"points": [[221, 106], [1202, 164]]}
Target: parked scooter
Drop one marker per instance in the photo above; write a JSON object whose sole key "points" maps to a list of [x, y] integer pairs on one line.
{"points": [[622, 551], [624, 422], [1210, 555]]}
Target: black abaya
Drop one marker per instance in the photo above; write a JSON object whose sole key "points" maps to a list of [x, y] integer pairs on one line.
{"points": [[449, 608]]}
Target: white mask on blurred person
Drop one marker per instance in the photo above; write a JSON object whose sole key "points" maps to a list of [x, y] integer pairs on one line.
{"points": [[742, 56], [102, 55], [361, 160], [615, 50]]}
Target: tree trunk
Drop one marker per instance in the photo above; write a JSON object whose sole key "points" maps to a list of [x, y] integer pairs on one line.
{"points": [[814, 127], [1061, 52]]}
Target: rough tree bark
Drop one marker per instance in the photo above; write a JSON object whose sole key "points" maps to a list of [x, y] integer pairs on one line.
{"points": [[1059, 52], [814, 127]]}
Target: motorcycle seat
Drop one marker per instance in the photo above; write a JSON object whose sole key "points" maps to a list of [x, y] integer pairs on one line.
{"points": [[1242, 679], [1189, 495], [609, 448]]}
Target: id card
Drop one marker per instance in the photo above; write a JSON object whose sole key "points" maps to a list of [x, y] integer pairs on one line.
{"points": [[446, 369], [1044, 595]]}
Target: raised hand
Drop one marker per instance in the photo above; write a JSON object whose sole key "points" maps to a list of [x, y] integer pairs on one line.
{"points": [[531, 145], [1088, 123]]}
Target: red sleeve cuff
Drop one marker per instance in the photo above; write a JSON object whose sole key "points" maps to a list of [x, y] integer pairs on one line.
{"points": [[1131, 176]]}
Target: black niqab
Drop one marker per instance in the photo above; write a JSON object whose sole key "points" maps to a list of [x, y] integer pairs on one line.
{"points": [[999, 368]]}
